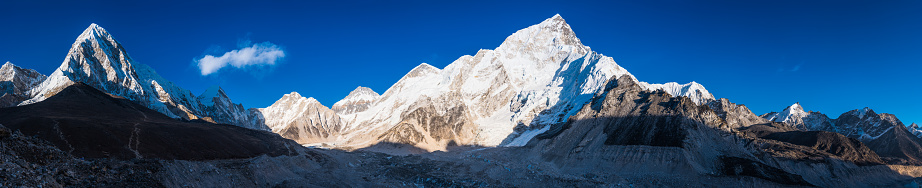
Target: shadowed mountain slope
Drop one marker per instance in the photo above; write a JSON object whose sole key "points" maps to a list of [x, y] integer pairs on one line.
{"points": [[87, 122]]}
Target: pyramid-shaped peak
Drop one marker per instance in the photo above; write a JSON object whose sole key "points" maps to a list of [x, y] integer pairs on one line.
{"points": [[93, 31], [553, 31], [421, 70], [212, 91], [363, 91], [795, 107], [556, 23], [360, 94], [555, 18]]}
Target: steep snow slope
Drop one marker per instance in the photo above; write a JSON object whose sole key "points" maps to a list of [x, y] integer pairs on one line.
{"points": [[15, 83]]}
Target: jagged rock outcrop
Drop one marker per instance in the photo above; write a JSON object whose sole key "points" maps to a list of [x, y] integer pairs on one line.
{"points": [[219, 108], [15, 83], [883, 133], [915, 129], [865, 124], [735, 115]]}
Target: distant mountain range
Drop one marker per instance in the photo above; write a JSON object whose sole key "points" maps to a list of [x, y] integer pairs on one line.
{"points": [[542, 94]]}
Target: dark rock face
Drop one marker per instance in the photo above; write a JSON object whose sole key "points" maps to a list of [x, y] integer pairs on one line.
{"points": [[88, 123], [898, 146], [815, 144], [428, 126], [647, 130], [863, 123], [883, 133], [632, 116], [745, 167]]}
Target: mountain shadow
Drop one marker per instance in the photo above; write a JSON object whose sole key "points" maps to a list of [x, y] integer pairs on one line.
{"points": [[89, 123]]}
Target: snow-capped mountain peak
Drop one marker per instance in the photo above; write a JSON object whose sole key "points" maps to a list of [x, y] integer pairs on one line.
{"points": [[94, 31], [789, 114], [361, 93], [295, 97], [796, 117], [7, 64], [98, 60], [915, 129], [554, 30], [11, 72], [301, 119], [551, 35], [207, 97], [15, 83], [358, 100], [421, 70]]}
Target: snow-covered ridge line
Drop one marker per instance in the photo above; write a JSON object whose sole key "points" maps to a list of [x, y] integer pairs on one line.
{"points": [[537, 77], [863, 124], [693, 90]]}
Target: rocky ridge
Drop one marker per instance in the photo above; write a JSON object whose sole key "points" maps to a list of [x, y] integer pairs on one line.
{"points": [[15, 83], [883, 133]]}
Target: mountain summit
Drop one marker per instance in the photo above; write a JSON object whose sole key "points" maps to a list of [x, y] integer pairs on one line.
{"points": [[357, 101]]}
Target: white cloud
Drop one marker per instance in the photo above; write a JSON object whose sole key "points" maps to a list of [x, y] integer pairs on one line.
{"points": [[262, 54]]}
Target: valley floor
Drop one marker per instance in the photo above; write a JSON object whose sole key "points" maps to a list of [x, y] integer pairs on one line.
{"points": [[32, 162]]}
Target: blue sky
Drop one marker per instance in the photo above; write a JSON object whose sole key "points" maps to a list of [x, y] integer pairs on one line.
{"points": [[830, 56]]}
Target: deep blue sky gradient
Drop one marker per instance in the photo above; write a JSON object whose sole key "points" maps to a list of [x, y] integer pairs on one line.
{"points": [[831, 56]]}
